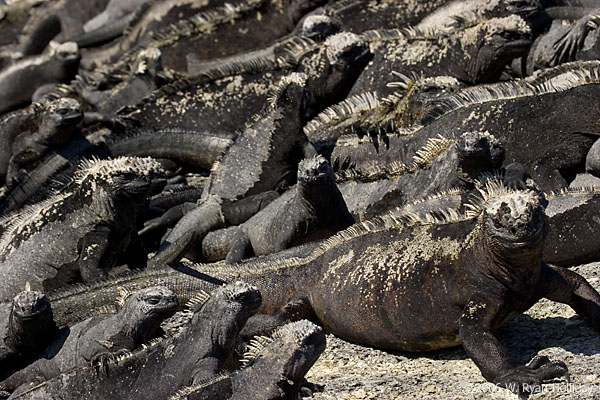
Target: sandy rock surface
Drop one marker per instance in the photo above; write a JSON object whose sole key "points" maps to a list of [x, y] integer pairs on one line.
{"points": [[347, 371]]}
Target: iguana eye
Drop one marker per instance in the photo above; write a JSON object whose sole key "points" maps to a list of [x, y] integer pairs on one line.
{"points": [[153, 300]]}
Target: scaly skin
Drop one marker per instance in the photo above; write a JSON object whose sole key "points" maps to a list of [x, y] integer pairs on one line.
{"points": [[81, 232], [58, 124], [472, 272], [273, 369], [484, 50], [200, 350], [312, 210], [262, 158], [134, 324], [27, 327], [439, 166], [22, 79], [550, 146]]}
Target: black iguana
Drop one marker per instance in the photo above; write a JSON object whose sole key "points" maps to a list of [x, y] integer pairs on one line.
{"points": [[135, 323], [272, 369], [263, 157], [26, 327], [82, 232], [473, 54], [229, 94], [551, 146], [373, 186], [57, 124], [22, 79], [311, 210], [198, 351], [216, 31]]}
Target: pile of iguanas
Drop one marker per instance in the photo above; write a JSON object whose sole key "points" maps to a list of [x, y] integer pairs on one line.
{"points": [[194, 192]]}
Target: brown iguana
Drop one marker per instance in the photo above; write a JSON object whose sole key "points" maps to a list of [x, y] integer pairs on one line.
{"points": [[409, 282]]}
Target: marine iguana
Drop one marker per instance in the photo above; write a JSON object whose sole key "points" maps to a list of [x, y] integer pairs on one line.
{"points": [[200, 350], [27, 327], [563, 34], [466, 274], [572, 227], [210, 33], [134, 324], [456, 13], [57, 125], [81, 232], [273, 368], [198, 149], [21, 79], [115, 10], [551, 147], [374, 186], [483, 50], [370, 114], [249, 167], [229, 95], [139, 79], [313, 209]]}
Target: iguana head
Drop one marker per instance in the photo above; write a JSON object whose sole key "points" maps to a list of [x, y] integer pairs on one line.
{"points": [[315, 170], [59, 122], [479, 152], [493, 44], [146, 309], [524, 8], [123, 177], [31, 324], [513, 218], [318, 27], [335, 69], [287, 355], [29, 305], [155, 300], [66, 53]]}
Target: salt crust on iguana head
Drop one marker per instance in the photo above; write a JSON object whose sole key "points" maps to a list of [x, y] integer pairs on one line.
{"points": [[30, 303]]}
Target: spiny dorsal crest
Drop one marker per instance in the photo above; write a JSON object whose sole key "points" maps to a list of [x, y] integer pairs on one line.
{"points": [[353, 105], [182, 394], [104, 170], [124, 295], [147, 57], [297, 332], [493, 194], [295, 78], [254, 348], [198, 300], [430, 151]]}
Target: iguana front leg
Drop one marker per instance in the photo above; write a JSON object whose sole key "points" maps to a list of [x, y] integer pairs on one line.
{"points": [[568, 287], [566, 48], [188, 233], [169, 218], [92, 249], [497, 365]]}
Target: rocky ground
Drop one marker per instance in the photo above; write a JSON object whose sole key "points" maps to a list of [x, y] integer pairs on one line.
{"points": [[350, 372]]}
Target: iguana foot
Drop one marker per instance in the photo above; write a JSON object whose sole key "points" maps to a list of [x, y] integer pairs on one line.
{"points": [[529, 378], [570, 43]]}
